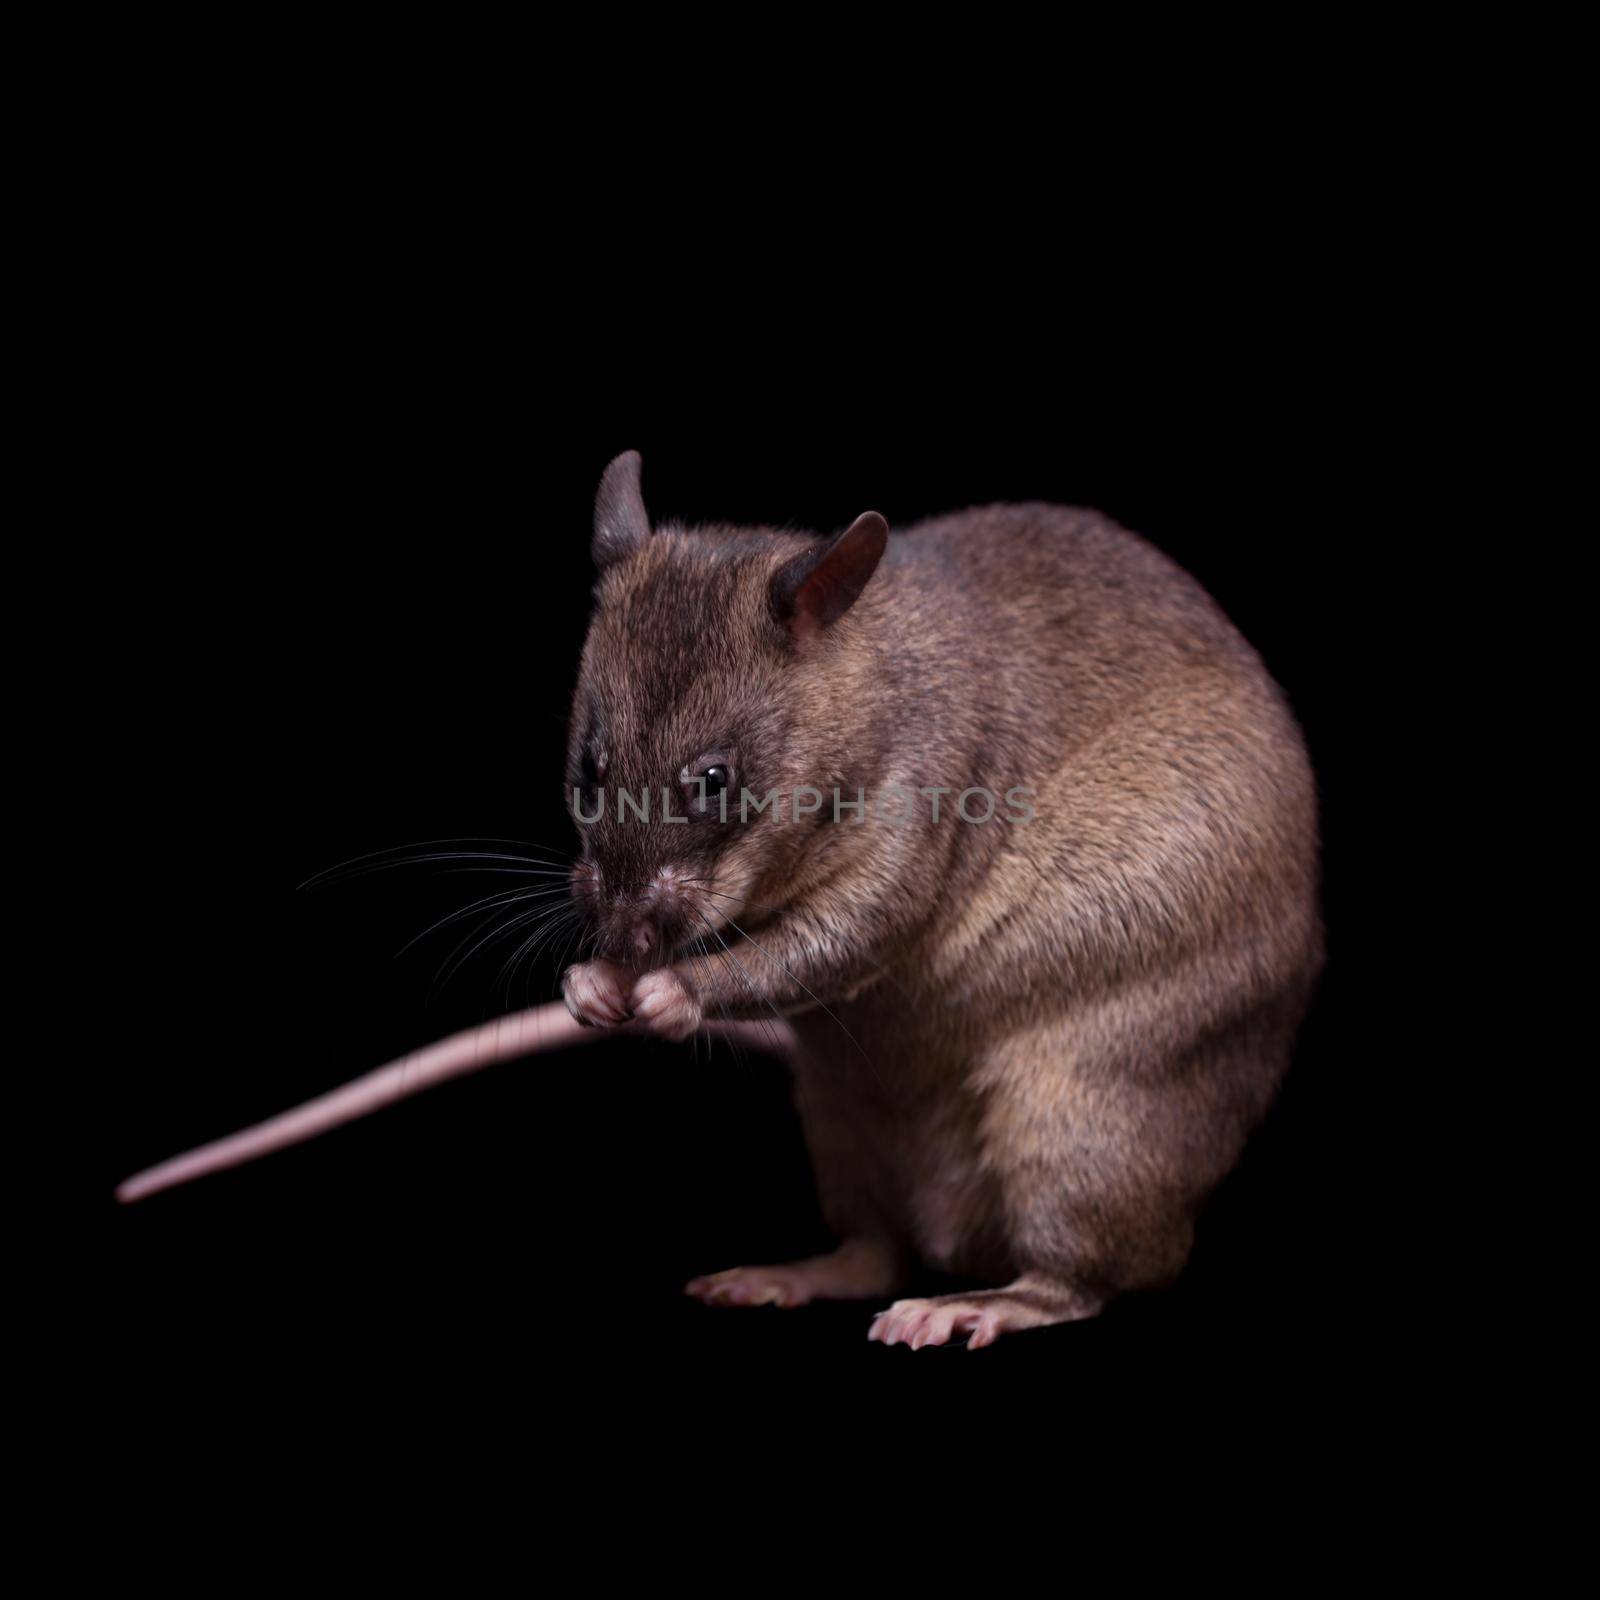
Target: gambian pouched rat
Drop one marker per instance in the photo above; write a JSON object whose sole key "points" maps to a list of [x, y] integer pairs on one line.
{"points": [[1010, 828]]}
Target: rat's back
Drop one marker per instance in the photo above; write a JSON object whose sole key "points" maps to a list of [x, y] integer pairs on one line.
{"points": [[1066, 596], [1047, 647]]}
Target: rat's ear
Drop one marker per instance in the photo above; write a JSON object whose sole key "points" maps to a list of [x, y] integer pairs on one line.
{"points": [[621, 523], [814, 589]]}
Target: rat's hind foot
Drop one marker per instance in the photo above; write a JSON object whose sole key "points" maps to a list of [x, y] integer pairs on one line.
{"points": [[858, 1269], [1033, 1301]]}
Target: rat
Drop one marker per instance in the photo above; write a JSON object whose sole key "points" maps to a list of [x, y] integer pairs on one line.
{"points": [[995, 827]]}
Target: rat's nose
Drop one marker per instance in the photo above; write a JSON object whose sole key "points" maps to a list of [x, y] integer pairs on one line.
{"points": [[643, 940], [637, 938]]}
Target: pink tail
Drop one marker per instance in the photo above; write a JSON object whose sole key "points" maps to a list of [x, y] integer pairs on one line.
{"points": [[524, 1033]]}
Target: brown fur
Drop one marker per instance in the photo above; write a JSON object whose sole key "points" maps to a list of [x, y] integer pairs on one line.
{"points": [[1027, 1051]]}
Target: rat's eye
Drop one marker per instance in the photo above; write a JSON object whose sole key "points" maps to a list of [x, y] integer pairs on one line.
{"points": [[704, 780]]}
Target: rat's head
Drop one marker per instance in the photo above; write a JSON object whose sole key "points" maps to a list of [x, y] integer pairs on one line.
{"points": [[712, 679]]}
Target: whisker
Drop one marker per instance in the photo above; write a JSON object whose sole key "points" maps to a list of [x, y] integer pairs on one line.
{"points": [[722, 894], [749, 982], [525, 869], [540, 856], [506, 897], [847, 1033], [456, 960], [555, 920]]}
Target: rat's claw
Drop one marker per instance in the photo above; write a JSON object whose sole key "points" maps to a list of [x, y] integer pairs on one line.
{"points": [[916, 1323], [666, 1005], [1033, 1301], [596, 993]]}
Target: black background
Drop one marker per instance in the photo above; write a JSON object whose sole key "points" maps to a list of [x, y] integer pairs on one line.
{"points": [[356, 627]]}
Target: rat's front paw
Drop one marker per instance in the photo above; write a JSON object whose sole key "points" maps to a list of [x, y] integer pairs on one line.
{"points": [[666, 1005], [597, 993]]}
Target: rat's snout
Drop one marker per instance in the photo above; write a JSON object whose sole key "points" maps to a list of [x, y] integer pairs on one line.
{"points": [[635, 938], [644, 939], [637, 925]]}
